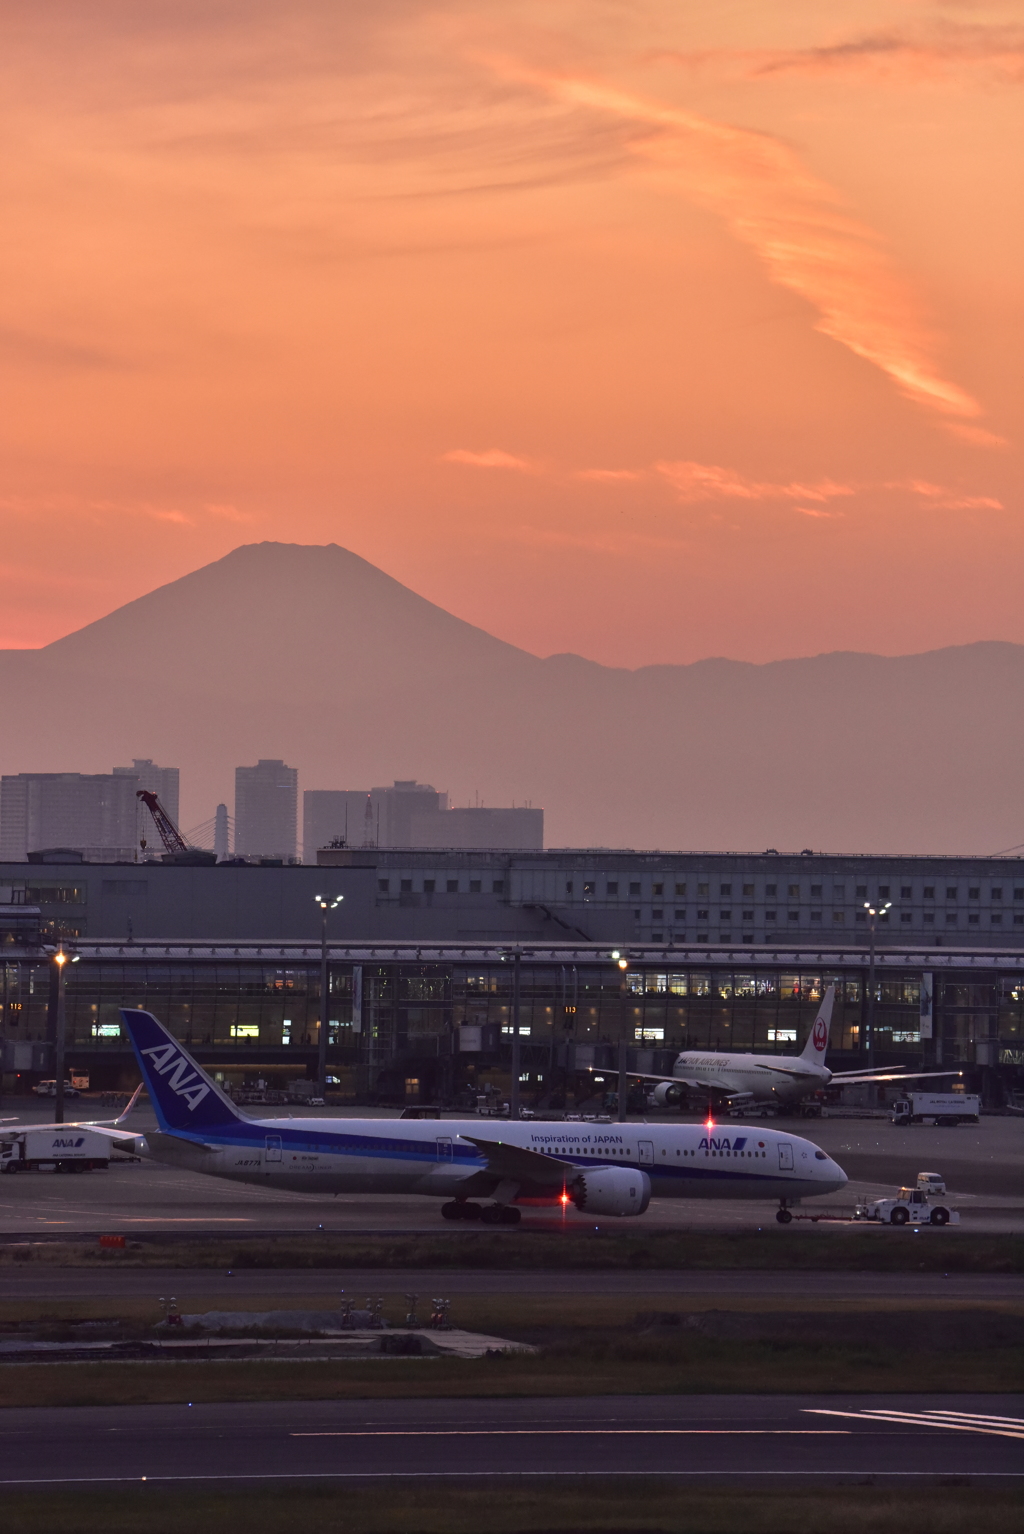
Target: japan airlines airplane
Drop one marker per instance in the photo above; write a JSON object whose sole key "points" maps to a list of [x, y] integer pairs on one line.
{"points": [[604, 1169], [780, 1080]]}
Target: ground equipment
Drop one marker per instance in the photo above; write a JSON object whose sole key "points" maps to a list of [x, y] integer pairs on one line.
{"points": [[943, 1108], [65, 1148]]}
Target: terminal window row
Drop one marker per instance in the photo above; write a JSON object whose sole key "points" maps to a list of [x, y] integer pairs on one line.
{"points": [[432, 886], [613, 887], [451, 886], [816, 917]]}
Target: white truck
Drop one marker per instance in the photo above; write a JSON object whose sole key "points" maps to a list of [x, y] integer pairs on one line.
{"points": [[943, 1108], [64, 1148], [911, 1206]]}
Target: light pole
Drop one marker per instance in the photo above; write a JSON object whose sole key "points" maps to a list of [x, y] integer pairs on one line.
{"points": [[326, 903], [517, 1048], [516, 955], [623, 1059], [60, 958], [874, 912]]}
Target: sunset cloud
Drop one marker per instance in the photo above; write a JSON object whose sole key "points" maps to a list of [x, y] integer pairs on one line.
{"points": [[493, 458], [796, 225], [944, 48], [941, 496], [710, 482], [610, 475]]}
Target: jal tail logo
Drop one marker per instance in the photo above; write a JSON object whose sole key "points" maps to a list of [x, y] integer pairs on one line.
{"points": [[180, 1076], [820, 1035]]}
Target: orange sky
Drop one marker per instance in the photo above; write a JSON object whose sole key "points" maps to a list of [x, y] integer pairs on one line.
{"points": [[649, 330]]}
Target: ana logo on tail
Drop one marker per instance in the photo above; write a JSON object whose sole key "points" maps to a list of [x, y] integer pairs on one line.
{"points": [[820, 1035], [184, 1080]]}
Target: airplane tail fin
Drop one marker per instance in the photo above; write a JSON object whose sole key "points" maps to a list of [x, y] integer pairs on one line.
{"points": [[183, 1095], [817, 1039]]}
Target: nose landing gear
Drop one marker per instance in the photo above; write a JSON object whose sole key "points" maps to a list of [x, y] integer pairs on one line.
{"points": [[783, 1215]]}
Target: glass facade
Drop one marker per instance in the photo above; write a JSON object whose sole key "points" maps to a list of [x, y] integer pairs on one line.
{"points": [[242, 1016]]}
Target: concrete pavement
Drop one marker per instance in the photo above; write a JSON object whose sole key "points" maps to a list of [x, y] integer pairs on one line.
{"points": [[699, 1437]]}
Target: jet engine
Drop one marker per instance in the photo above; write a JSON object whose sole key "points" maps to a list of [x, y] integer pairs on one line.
{"points": [[667, 1095], [611, 1190]]}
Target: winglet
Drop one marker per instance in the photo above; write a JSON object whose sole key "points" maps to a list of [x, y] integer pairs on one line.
{"points": [[129, 1105]]}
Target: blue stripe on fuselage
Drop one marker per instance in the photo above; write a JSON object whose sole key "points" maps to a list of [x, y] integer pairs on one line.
{"points": [[253, 1136]]}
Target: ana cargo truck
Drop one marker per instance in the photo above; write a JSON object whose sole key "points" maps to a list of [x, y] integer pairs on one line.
{"points": [[945, 1108], [64, 1149]]}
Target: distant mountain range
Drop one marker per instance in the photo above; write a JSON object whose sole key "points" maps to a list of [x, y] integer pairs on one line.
{"points": [[314, 655]]}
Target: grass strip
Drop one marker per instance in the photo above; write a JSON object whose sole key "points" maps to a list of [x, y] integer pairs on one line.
{"points": [[493, 1312], [619, 1505], [583, 1367], [773, 1248]]}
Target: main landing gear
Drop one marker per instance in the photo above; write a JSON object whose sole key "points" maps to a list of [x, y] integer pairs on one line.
{"points": [[489, 1214], [783, 1215]]}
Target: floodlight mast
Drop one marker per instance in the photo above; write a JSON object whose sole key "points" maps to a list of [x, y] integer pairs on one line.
{"points": [[326, 903]]}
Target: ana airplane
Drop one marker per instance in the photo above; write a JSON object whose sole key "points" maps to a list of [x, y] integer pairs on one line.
{"points": [[611, 1169], [782, 1081]]}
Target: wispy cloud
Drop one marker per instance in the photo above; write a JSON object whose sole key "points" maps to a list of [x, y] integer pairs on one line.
{"points": [[893, 53], [492, 458], [941, 496], [711, 482], [695, 483], [794, 222], [609, 475], [227, 512]]}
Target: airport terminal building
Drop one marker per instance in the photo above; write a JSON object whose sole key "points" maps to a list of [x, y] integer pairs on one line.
{"points": [[724, 951]]}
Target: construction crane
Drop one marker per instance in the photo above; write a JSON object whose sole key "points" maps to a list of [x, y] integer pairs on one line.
{"points": [[176, 848]]}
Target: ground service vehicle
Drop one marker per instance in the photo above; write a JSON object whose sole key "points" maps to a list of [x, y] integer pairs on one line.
{"points": [[931, 1182], [49, 1089], [910, 1207], [944, 1108], [65, 1147], [604, 1169]]}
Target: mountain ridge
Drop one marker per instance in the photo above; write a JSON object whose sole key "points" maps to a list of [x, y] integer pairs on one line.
{"points": [[313, 654]]}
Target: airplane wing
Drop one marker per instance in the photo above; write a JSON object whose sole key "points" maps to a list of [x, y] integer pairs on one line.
{"points": [[516, 1163], [672, 1081], [104, 1126], [851, 1078]]}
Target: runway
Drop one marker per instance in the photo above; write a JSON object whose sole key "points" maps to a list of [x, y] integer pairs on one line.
{"points": [[40, 1283], [700, 1437], [142, 1198]]}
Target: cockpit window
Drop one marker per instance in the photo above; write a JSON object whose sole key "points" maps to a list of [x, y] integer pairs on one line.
{"points": [[820, 1156]]}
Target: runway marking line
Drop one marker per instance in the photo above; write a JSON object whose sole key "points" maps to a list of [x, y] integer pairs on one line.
{"points": [[1011, 1427], [585, 1432], [471, 1475]]}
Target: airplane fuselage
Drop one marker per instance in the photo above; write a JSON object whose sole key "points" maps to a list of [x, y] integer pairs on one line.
{"points": [[766, 1078], [434, 1157]]}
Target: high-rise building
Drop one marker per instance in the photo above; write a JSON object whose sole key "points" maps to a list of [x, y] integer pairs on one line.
{"points": [[93, 813], [411, 814], [477, 827], [162, 781], [399, 811], [266, 810], [333, 815]]}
